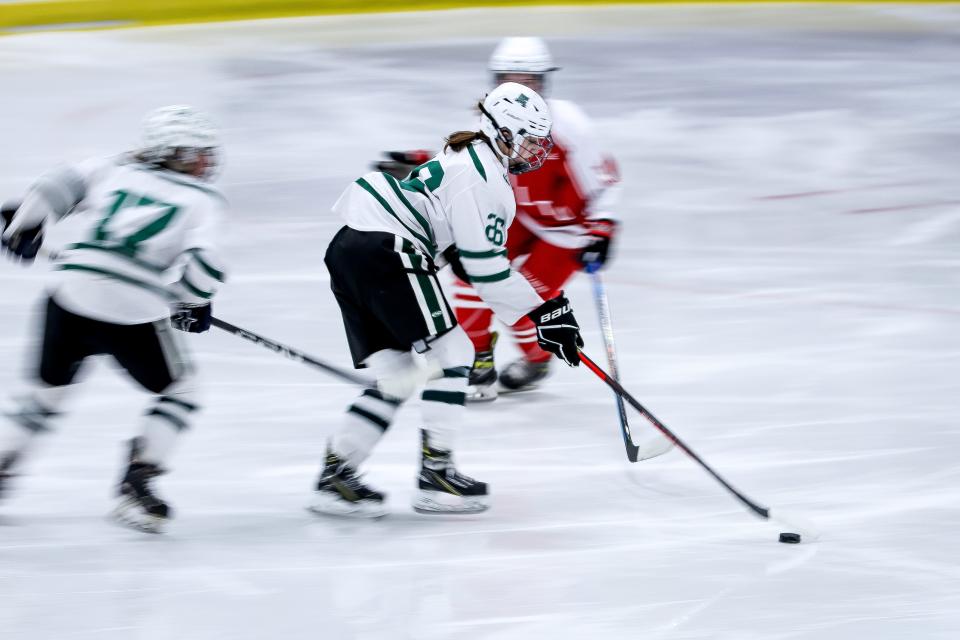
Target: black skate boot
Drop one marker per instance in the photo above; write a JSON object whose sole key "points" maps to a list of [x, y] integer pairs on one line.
{"points": [[522, 375], [340, 492], [482, 384], [442, 489], [139, 507]]}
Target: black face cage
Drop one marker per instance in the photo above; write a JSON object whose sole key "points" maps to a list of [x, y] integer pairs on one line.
{"points": [[537, 149], [515, 163]]}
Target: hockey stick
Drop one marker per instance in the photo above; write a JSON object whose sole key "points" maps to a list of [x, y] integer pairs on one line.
{"points": [[755, 507], [653, 448], [291, 353]]}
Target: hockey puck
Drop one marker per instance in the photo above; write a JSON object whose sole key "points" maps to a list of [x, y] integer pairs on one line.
{"points": [[790, 538]]}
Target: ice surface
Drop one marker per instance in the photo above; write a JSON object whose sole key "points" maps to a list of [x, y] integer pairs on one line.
{"points": [[785, 297]]}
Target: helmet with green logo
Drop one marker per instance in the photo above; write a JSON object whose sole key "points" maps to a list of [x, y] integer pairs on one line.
{"points": [[517, 121]]}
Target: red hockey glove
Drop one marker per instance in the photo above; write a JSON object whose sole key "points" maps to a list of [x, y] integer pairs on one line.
{"points": [[401, 163], [595, 255]]}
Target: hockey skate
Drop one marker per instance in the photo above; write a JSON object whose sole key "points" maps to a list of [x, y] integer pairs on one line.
{"points": [[482, 384], [340, 492], [523, 375], [139, 507], [442, 489]]}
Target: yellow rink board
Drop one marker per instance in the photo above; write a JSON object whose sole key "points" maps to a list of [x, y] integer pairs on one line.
{"points": [[76, 14]]}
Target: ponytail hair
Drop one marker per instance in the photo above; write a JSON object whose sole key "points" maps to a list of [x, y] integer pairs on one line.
{"points": [[459, 140]]}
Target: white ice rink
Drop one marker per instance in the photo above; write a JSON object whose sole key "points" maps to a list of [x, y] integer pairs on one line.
{"points": [[785, 295]]}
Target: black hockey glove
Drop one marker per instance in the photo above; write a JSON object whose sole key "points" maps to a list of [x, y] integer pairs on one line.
{"points": [[192, 318], [595, 255], [401, 163], [23, 245], [557, 329]]}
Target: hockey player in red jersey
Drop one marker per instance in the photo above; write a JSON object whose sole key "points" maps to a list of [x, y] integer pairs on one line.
{"points": [[564, 220]]}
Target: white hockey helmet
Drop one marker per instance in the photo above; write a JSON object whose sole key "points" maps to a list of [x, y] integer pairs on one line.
{"points": [[519, 119], [519, 59], [181, 135]]}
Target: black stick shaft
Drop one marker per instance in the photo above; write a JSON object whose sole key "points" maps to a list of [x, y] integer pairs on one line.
{"points": [[292, 353], [755, 507]]}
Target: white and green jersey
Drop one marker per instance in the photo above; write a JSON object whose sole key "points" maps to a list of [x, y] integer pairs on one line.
{"points": [[461, 199], [138, 240]]}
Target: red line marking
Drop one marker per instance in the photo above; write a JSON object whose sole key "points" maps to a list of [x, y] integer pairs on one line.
{"points": [[907, 207], [803, 194], [827, 192]]}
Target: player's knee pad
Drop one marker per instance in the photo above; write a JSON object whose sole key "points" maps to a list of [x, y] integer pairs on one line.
{"points": [[451, 350], [397, 373]]}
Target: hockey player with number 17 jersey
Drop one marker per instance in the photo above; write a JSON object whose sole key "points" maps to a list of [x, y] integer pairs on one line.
{"points": [[139, 221]]}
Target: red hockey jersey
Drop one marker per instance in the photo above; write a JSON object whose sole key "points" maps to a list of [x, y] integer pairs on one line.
{"points": [[576, 183]]}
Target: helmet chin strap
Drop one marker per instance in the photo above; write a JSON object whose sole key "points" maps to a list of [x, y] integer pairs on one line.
{"points": [[490, 143]]}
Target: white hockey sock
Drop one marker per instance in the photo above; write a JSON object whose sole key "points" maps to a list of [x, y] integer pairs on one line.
{"points": [[168, 417], [443, 404], [365, 422], [444, 398], [29, 416]]}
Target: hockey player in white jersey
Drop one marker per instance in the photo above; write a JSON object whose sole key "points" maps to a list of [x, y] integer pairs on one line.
{"points": [[565, 220], [455, 208], [142, 258]]}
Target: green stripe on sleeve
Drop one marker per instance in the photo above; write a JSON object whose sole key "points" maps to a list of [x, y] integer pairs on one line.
{"points": [[200, 293], [496, 277], [214, 273], [476, 255]]}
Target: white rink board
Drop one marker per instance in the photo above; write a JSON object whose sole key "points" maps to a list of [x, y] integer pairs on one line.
{"points": [[785, 297]]}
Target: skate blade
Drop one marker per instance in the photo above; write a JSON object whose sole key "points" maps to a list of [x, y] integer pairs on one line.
{"points": [[129, 516], [323, 505], [437, 503], [480, 394]]}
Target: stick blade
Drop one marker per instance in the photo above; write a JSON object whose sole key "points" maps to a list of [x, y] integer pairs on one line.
{"points": [[653, 448]]}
